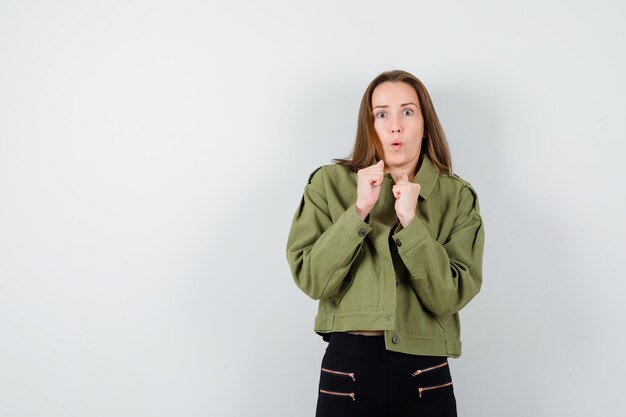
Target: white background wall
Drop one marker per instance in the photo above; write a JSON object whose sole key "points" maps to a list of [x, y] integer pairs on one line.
{"points": [[152, 154]]}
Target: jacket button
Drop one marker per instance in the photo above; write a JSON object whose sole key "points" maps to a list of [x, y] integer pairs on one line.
{"points": [[398, 242], [395, 340], [397, 284], [362, 232]]}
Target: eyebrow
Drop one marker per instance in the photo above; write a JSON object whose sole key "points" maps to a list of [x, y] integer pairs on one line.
{"points": [[401, 105]]}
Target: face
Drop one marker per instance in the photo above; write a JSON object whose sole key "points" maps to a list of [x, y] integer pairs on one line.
{"points": [[399, 124]]}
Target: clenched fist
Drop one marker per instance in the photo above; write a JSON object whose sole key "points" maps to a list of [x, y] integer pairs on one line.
{"points": [[406, 194], [369, 182]]}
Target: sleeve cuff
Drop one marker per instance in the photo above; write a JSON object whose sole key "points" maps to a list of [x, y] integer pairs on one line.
{"points": [[353, 225], [411, 235]]}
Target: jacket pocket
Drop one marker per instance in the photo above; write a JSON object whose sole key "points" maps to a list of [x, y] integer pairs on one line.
{"points": [[421, 390], [432, 368]]}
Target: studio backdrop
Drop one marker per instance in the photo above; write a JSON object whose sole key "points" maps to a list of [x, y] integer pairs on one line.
{"points": [[153, 154]]}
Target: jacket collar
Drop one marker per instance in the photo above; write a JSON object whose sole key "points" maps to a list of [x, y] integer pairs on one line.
{"points": [[426, 176]]}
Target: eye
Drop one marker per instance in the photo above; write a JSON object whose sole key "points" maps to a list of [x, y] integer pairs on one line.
{"points": [[381, 115], [407, 112]]}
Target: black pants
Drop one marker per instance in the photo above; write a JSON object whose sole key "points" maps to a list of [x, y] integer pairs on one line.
{"points": [[359, 377]]}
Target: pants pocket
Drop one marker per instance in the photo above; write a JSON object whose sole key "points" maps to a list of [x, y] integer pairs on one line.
{"points": [[429, 369], [421, 390], [337, 394], [340, 376], [342, 373], [338, 381], [432, 387]]}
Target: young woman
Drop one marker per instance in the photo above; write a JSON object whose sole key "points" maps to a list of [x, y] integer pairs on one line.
{"points": [[390, 242]]}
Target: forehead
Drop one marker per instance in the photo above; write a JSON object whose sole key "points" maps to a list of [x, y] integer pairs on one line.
{"points": [[393, 93]]}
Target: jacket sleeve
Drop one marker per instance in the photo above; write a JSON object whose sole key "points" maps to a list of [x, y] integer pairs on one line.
{"points": [[446, 277], [320, 251]]}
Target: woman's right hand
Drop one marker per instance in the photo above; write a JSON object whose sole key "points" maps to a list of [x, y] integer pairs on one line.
{"points": [[369, 182]]}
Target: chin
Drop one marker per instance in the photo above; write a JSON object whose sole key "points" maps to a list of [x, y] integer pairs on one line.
{"points": [[398, 162]]}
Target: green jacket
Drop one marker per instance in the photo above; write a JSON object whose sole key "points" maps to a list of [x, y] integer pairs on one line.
{"points": [[368, 275]]}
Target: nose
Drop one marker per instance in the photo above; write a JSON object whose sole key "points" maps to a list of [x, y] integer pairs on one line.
{"points": [[396, 126]]}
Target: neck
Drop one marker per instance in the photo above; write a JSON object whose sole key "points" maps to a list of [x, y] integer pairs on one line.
{"points": [[408, 169]]}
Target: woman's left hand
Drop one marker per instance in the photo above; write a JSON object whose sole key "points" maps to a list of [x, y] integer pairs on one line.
{"points": [[406, 194]]}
